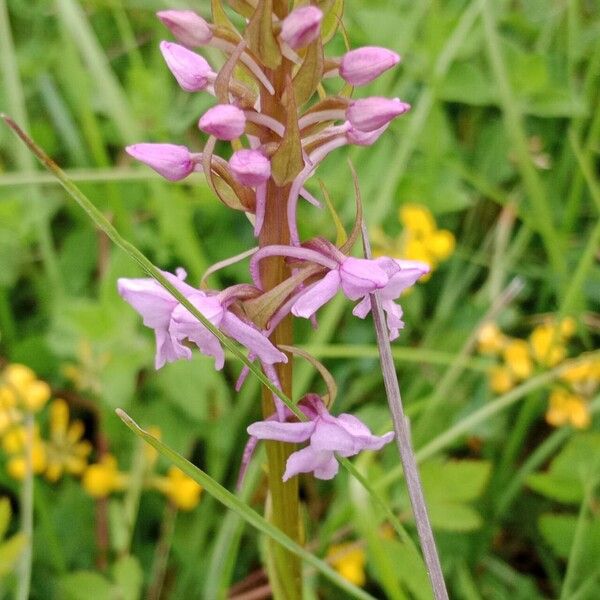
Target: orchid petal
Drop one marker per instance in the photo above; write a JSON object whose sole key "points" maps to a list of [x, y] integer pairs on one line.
{"points": [[282, 432], [360, 276], [307, 460], [317, 295]]}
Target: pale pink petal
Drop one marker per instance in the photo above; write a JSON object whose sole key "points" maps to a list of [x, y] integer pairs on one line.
{"points": [[327, 469], [307, 460], [317, 295], [251, 338], [360, 276], [329, 436], [363, 308], [282, 432]]}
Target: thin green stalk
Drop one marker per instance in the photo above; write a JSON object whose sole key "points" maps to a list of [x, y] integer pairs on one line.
{"points": [[232, 502], [576, 556], [516, 132], [24, 568]]}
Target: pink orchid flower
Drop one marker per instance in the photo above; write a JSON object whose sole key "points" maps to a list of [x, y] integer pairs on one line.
{"points": [[173, 323], [326, 435]]}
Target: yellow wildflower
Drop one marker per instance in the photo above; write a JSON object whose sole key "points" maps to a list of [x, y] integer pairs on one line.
{"points": [[490, 339], [420, 239], [547, 345], [501, 379], [567, 408], [518, 359], [15, 443], [65, 448], [180, 489], [103, 478], [349, 561], [21, 386]]}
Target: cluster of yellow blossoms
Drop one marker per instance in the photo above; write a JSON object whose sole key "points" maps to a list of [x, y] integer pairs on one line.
{"points": [[545, 348], [22, 397], [420, 238], [64, 450]]}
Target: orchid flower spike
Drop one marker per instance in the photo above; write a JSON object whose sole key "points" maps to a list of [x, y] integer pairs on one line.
{"points": [[224, 121], [301, 27], [363, 65], [326, 435], [192, 71], [171, 161], [173, 323], [187, 26]]}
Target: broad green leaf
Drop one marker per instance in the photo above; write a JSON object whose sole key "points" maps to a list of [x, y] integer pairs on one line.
{"points": [[308, 77], [455, 480], [453, 516], [10, 552], [129, 577], [332, 17], [577, 465], [86, 585]]}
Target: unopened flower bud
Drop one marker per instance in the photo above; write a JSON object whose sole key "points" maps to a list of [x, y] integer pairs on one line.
{"points": [[187, 26], [250, 167], [369, 114], [364, 138], [360, 66], [301, 26], [192, 72], [224, 121], [171, 161]]}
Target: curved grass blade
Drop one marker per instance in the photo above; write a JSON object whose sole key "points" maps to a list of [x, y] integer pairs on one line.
{"points": [[232, 502]]}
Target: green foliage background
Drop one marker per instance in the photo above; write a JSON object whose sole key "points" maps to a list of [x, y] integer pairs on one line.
{"points": [[502, 145]]}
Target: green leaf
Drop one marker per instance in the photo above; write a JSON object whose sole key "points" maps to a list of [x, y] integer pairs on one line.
{"points": [[340, 233], [260, 37], [455, 480], [10, 552], [332, 17], [453, 516], [309, 75], [129, 577], [232, 502], [5, 514], [86, 585], [287, 160], [576, 466]]}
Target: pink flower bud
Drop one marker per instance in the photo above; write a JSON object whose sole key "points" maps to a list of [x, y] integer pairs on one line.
{"points": [[224, 121], [171, 161], [188, 27], [369, 114], [362, 65], [250, 167], [192, 72], [365, 138], [301, 26]]}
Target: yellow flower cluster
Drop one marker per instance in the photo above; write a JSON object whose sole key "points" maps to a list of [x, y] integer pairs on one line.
{"points": [[546, 347], [62, 450], [420, 238], [102, 479], [349, 561]]}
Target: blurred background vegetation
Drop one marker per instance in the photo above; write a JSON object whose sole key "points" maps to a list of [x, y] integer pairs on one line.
{"points": [[492, 176]]}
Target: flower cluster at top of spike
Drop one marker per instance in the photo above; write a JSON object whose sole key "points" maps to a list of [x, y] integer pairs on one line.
{"points": [[280, 131]]}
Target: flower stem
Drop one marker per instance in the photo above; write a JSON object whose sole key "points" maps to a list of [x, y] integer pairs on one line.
{"points": [[403, 441], [24, 569]]}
